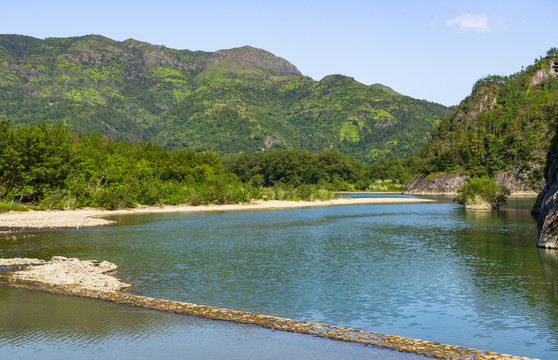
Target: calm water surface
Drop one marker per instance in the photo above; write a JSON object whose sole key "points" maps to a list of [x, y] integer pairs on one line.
{"points": [[429, 271]]}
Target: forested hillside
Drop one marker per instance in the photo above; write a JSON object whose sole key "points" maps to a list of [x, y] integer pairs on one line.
{"points": [[503, 129], [229, 101]]}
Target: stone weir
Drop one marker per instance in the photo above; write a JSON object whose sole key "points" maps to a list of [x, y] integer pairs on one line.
{"points": [[397, 343]]}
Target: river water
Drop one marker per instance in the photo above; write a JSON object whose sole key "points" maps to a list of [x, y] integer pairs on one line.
{"points": [[430, 271]]}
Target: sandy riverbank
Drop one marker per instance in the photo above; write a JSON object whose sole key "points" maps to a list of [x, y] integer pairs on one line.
{"points": [[94, 217]]}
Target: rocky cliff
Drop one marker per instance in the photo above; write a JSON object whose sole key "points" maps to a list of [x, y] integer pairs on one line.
{"points": [[546, 206], [445, 184], [502, 130], [517, 182]]}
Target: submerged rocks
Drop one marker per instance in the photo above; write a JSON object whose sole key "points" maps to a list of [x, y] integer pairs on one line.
{"points": [[87, 274]]}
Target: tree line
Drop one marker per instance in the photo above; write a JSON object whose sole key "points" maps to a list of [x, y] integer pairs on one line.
{"points": [[49, 166]]}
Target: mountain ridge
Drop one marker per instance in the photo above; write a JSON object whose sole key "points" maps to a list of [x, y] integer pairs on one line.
{"points": [[229, 101]]}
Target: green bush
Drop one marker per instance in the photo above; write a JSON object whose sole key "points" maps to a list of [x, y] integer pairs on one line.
{"points": [[482, 190], [385, 185], [58, 199]]}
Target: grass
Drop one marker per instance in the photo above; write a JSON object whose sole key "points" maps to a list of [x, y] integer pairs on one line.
{"points": [[15, 206], [385, 185]]}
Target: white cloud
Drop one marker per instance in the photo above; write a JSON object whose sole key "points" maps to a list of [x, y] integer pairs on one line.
{"points": [[478, 23]]}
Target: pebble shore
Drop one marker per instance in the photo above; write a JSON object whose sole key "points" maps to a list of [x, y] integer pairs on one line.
{"points": [[88, 274], [11, 278]]}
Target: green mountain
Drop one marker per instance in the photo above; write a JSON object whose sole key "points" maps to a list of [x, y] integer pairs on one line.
{"points": [[503, 129], [229, 101]]}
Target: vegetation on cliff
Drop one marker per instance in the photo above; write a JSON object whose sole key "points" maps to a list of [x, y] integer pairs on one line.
{"points": [[229, 101], [506, 124]]}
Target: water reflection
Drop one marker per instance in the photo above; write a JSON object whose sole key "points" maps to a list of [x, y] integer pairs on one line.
{"points": [[45, 326], [431, 271], [549, 261]]}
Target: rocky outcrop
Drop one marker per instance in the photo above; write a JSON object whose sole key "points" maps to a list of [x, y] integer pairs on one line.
{"points": [[86, 274], [546, 206], [515, 181], [445, 184], [548, 71]]}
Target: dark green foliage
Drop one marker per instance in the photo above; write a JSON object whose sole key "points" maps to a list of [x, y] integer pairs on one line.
{"points": [[33, 158], [398, 170], [327, 170], [482, 190], [230, 101], [47, 164], [505, 125], [294, 168]]}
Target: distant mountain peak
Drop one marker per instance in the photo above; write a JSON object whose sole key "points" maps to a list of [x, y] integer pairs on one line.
{"points": [[250, 57], [385, 88]]}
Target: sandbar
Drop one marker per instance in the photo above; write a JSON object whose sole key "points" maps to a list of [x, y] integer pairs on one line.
{"points": [[79, 218]]}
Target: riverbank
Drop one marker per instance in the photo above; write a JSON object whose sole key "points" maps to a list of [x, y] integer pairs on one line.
{"points": [[95, 217]]}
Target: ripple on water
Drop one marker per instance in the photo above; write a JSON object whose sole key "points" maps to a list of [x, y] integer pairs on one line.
{"points": [[430, 271], [92, 329]]}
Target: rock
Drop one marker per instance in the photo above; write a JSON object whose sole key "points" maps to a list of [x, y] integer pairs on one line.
{"points": [[543, 74], [58, 259], [106, 266], [516, 182], [87, 274], [445, 184], [546, 206], [20, 261]]}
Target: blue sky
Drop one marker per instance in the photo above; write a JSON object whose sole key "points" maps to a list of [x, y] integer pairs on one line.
{"points": [[433, 50]]}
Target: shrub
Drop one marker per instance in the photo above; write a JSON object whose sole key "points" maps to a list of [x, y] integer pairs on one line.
{"points": [[482, 190]]}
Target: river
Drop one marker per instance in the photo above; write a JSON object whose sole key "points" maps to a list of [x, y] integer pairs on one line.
{"points": [[432, 271]]}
